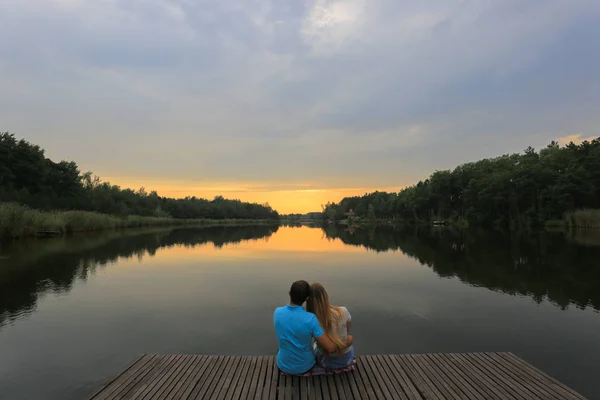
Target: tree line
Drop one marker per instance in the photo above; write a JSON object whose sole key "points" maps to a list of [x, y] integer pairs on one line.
{"points": [[27, 177], [522, 189]]}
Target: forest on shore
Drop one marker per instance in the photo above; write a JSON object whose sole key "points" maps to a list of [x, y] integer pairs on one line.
{"points": [[37, 193], [557, 185], [27, 177]]}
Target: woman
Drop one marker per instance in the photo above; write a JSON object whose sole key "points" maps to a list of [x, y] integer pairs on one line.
{"points": [[335, 322]]}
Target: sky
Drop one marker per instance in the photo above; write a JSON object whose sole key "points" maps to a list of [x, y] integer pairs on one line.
{"points": [[294, 102]]}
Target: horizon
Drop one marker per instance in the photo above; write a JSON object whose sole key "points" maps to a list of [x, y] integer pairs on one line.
{"points": [[295, 104]]}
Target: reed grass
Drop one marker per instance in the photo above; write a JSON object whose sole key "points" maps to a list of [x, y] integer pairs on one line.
{"points": [[17, 221], [555, 224], [586, 218]]}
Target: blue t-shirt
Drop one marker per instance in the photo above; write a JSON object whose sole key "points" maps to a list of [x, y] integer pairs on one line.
{"points": [[295, 328]]}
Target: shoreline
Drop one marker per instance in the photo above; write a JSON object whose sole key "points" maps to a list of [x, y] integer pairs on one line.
{"points": [[20, 222]]}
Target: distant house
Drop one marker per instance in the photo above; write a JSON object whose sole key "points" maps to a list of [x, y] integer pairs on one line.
{"points": [[350, 214]]}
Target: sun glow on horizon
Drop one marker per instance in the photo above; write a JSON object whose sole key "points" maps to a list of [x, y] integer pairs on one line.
{"points": [[285, 198]]}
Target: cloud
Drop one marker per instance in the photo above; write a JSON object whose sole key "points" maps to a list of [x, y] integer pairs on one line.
{"points": [[576, 138], [342, 93], [329, 25]]}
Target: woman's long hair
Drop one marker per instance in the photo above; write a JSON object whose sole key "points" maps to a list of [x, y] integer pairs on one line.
{"points": [[329, 317]]}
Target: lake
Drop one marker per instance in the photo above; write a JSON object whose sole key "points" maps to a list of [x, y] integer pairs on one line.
{"points": [[74, 311]]}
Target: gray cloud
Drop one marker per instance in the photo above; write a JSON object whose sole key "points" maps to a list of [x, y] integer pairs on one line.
{"points": [[317, 91]]}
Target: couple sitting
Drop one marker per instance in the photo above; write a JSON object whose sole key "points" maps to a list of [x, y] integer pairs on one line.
{"points": [[319, 335]]}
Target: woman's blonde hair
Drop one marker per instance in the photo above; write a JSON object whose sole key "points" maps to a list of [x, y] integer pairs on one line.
{"points": [[329, 316]]}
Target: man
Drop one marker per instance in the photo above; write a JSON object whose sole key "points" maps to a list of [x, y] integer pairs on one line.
{"points": [[295, 329]]}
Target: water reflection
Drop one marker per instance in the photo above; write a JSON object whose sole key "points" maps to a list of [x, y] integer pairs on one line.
{"points": [[30, 269], [540, 265], [213, 291]]}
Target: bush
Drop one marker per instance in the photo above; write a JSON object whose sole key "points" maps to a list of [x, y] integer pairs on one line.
{"points": [[20, 221], [586, 218], [555, 223]]}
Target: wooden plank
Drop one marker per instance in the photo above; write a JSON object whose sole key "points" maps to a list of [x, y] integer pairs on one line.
{"points": [[281, 387], [487, 388], [334, 387], [200, 378], [401, 377], [125, 372], [154, 365], [426, 387], [206, 386], [274, 378], [303, 385], [212, 390], [301, 394], [149, 385], [189, 379], [479, 379], [454, 376], [290, 387], [150, 379], [396, 373], [419, 368], [462, 371], [258, 384], [342, 389], [170, 379], [538, 390], [362, 381], [379, 388], [311, 393], [476, 376], [169, 384], [317, 384], [132, 369], [239, 379], [389, 378], [382, 379], [449, 390], [349, 378], [333, 393], [541, 376], [226, 379], [181, 377], [251, 378], [266, 390], [281, 390], [295, 392], [511, 385], [508, 385], [325, 387]]}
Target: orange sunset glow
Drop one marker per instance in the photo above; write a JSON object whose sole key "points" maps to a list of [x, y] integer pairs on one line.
{"points": [[286, 199], [303, 242]]}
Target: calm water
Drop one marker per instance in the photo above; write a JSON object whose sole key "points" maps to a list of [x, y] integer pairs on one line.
{"points": [[74, 312]]}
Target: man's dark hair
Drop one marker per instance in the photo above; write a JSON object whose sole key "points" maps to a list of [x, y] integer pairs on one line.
{"points": [[299, 291]]}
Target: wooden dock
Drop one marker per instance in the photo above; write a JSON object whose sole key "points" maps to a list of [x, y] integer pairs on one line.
{"points": [[480, 376]]}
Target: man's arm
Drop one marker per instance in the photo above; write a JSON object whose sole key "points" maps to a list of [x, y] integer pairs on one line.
{"points": [[326, 344], [331, 347]]}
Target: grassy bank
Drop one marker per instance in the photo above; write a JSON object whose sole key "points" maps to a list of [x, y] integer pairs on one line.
{"points": [[18, 221], [587, 218], [366, 222]]}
